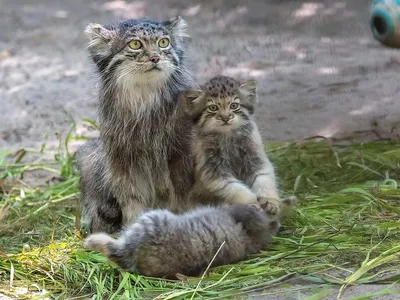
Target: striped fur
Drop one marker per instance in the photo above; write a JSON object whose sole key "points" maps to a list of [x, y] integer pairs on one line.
{"points": [[231, 165], [162, 244], [142, 158]]}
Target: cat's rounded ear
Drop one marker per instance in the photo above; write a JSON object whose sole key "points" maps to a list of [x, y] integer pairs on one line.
{"points": [[99, 37], [97, 31], [177, 27], [190, 97], [249, 90], [192, 100], [249, 87]]}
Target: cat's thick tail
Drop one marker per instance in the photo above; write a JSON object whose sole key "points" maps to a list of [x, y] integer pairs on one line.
{"points": [[102, 243], [112, 249]]}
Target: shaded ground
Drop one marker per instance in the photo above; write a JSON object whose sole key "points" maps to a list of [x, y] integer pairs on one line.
{"points": [[300, 292], [319, 70]]}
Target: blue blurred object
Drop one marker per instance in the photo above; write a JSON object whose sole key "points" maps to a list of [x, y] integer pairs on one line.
{"points": [[385, 22]]}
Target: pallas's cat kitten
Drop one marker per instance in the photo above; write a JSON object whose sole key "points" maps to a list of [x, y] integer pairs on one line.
{"points": [[163, 244], [231, 164]]}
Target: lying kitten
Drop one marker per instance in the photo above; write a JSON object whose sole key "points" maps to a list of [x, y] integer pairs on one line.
{"points": [[163, 244], [231, 164]]}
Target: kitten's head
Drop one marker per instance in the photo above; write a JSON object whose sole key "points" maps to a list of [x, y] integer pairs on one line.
{"points": [[257, 225], [222, 104], [145, 50]]}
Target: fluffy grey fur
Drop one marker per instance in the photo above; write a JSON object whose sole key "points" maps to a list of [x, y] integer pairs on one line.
{"points": [[162, 244], [231, 164], [143, 156]]}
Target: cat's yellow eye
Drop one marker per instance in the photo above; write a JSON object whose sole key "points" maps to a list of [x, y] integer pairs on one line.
{"points": [[163, 43], [135, 44], [234, 106], [213, 107]]}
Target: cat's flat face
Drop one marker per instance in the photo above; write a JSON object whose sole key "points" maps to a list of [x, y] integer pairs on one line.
{"points": [[222, 105], [223, 114], [145, 50]]}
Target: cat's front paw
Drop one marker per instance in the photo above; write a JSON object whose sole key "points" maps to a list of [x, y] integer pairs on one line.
{"points": [[271, 206]]}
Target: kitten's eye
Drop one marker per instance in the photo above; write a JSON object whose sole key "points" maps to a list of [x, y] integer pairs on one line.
{"points": [[135, 44], [163, 43], [234, 106], [213, 107]]}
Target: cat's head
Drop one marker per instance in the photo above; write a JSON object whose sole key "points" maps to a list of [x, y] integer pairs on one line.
{"points": [[222, 104], [142, 49]]}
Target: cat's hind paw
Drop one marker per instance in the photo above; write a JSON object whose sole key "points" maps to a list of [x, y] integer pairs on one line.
{"points": [[290, 201], [288, 205]]}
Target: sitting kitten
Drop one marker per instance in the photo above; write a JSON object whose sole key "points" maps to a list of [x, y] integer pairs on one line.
{"points": [[231, 164], [163, 244]]}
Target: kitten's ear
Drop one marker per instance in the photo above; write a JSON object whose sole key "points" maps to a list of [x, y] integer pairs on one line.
{"points": [[177, 27], [249, 88], [249, 91], [99, 37], [193, 100], [191, 97]]}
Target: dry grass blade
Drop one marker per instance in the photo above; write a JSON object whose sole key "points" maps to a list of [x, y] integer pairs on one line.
{"points": [[205, 272], [388, 257]]}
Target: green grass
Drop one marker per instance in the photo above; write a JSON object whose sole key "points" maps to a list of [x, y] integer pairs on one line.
{"points": [[345, 231]]}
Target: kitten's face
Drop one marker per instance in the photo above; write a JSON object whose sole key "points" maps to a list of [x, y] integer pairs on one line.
{"points": [[222, 105], [223, 114], [145, 50]]}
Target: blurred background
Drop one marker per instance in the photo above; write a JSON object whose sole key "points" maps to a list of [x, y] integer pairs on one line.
{"points": [[319, 70]]}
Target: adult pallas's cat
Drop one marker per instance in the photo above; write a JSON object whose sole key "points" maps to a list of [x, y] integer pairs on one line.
{"points": [[143, 156]]}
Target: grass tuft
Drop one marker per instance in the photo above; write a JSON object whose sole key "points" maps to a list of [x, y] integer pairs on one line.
{"points": [[344, 232]]}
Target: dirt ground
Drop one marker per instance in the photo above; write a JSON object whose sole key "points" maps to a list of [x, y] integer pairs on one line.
{"points": [[319, 70]]}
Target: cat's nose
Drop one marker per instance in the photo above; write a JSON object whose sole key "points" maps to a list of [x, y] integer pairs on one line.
{"points": [[226, 118], [155, 58]]}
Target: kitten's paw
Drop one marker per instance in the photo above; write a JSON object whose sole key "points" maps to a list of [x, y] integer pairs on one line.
{"points": [[271, 206]]}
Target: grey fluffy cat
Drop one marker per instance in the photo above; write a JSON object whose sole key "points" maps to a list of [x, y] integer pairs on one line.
{"points": [[162, 244], [143, 156], [231, 164]]}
